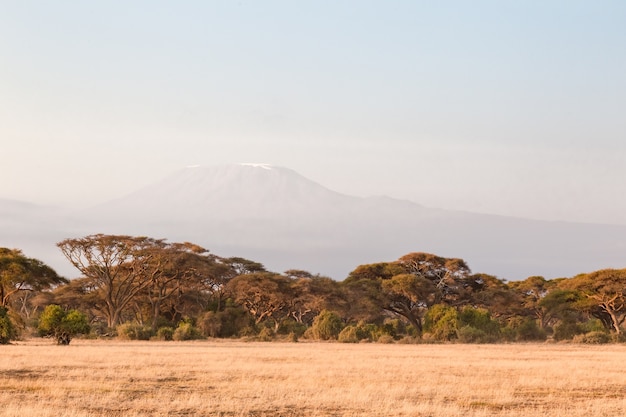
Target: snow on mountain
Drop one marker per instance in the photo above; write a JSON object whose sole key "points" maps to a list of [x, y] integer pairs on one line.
{"points": [[276, 216]]}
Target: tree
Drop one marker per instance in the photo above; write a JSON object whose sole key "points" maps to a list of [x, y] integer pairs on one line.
{"points": [[117, 267], [265, 295], [20, 273], [488, 292], [448, 275], [605, 293], [7, 329], [410, 296], [61, 324], [173, 267], [327, 325]]}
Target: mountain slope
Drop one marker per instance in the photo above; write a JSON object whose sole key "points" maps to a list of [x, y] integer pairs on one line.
{"points": [[284, 220]]}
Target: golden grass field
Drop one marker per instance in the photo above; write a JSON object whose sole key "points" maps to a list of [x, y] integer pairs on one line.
{"points": [[234, 378]]}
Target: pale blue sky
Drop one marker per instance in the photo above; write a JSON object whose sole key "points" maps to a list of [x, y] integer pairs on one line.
{"points": [[507, 107]]}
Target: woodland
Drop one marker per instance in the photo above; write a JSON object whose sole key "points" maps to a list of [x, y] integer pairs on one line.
{"points": [[140, 288]]}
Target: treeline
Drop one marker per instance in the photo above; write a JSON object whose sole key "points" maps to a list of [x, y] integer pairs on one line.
{"points": [[144, 288]]}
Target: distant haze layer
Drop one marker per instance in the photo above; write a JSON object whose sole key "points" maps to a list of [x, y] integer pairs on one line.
{"points": [[275, 216]]}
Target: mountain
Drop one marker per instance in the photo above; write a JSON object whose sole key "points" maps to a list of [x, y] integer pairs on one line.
{"points": [[276, 216]]}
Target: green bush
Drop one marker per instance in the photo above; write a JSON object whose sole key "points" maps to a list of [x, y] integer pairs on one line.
{"points": [[442, 322], [326, 326], [165, 333], [266, 335], [385, 338], [528, 330], [470, 334], [233, 321], [186, 331], [61, 324], [349, 335], [7, 329], [133, 331], [394, 328], [594, 338], [480, 319], [566, 330]]}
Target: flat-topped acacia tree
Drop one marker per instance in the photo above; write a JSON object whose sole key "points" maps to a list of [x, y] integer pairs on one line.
{"points": [[116, 265], [21, 273]]}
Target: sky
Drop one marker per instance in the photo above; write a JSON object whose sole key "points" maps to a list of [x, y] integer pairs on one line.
{"points": [[504, 107]]}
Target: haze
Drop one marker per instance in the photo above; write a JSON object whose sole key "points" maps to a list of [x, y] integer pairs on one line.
{"points": [[510, 108]]}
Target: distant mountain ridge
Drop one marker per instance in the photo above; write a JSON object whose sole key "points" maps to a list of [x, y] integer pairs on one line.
{"points": [[278, 217]]}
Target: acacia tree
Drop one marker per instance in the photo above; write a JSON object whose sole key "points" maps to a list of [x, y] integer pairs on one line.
{"points": [[605, 294], [19, 273], [265, 295], [116, 266], [174, 267]]}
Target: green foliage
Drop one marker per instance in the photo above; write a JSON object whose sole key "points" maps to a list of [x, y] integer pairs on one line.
{"points": [[187, 331], [134, 331], [349, 335], [394, 328], [290, 326], [566, 330], [594, 338], [442, 322], [7, 329], [385, 338], [266, 335], [528, 330], [326, 326], [165, 333], [61, 324], [469, 334], [227, 323]]}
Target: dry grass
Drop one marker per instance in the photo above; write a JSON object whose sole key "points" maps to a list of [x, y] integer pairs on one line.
{"points": [[229, 378]]}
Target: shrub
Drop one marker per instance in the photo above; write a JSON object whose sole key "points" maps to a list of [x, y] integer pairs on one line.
{"points": [[186, 331], [327, 325], [470, 334], [528, 330], [441, 322], [61, 324], [232, 321], [7, 329], [394, 327], [566, 330], [165, 333], [133, 331], [385, 338], [595, 338], [266, 334], [349, 335], [480, 319]]}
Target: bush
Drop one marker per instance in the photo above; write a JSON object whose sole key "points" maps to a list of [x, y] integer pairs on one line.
{"points": [[394, 328], [327, 325], [349, 335], [441, 322], [7, 329], [133, 331], [566, 330], [480, 319], [165, 333], [266, 334], [61, 324], [231, 322], [385, 338], [470, 334], [186, 331], [528, 330], [595, 338]]}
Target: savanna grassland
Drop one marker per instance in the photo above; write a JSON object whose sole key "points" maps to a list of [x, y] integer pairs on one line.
{"points": [[233, 378]]}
